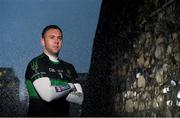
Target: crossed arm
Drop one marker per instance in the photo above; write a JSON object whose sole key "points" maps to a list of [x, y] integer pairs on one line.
{"points": [[48, 92]]}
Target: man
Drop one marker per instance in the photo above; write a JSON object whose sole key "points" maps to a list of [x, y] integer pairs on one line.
{"points": [[51, 82]]}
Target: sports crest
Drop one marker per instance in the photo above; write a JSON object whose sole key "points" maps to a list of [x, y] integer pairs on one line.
{"points": [[68, 73]]}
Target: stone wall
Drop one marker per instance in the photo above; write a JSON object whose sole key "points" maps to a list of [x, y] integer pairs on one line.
{"points": [[135, 61], [151, 71], [9, 93]]}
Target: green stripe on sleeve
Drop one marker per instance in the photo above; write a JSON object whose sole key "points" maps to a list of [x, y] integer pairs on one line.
{"points": [[57, 82], [31, 90]]}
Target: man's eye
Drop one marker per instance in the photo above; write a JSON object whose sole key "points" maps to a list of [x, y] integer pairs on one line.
{"points": [[51, 37], [60, 38]]}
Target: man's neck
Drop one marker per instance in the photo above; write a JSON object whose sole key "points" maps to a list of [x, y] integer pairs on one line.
{"points": [[52, 57]]}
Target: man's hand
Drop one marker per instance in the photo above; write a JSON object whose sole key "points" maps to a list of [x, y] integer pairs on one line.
{"points": [[73, 88], [77, 95]]}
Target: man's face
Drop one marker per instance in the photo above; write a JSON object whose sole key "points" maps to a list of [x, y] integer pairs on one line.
{"points": [[52, 41]]}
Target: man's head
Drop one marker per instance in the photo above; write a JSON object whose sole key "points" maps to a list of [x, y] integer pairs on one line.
{"points": [[51, 39], [50, 27]]}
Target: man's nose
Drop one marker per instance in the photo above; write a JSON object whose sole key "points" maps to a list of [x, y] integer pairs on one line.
{"points": [[57, 40]]}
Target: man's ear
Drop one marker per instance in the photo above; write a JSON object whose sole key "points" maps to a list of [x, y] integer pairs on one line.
{"points": [[42, 42]]}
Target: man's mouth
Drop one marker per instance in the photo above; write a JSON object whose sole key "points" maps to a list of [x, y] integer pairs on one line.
{"points": [[56, 47]]}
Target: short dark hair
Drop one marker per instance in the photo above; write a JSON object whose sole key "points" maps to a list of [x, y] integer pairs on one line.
{"points": [[50, 27]]}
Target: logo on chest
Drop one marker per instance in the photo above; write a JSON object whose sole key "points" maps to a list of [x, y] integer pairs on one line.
{"points": [[52, 70], [68, 73], [59, 72]]}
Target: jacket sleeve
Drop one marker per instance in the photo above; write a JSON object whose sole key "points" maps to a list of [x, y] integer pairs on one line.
{"points": [[48, 92]]}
